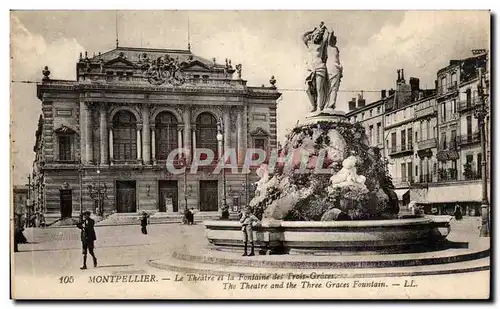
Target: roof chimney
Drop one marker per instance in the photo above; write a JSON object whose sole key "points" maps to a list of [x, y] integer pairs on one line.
{"points": [[352, 104], [391, 91], [384, 93], [415, 84], [361, 101]]}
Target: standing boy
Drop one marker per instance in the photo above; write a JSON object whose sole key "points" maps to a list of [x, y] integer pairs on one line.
{"points": [[248, 221], [88, 236]]}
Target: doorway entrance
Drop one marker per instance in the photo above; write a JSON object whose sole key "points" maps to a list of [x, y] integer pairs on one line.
{"points": [[125, 196], [209, 194], [66, 200], [168, 196]]}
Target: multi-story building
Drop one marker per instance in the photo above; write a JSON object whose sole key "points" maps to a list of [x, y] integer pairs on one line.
{"points": [[20, 201], [400, 128], [104, 139], [404, 133], [458, 174], [371, 116]]}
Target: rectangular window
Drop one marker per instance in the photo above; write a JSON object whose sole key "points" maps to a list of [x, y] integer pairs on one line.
{"points": [[378, 110], [371, 113], [469, 127], [416, 171], [443, 84], [443, 111], [453, 139], [65, 148], [403, 172], [410, 171], [260, 143], [468, 97], [453, 80], [410, 138], [443, 140], [454, 106], [403, 140], [393, 141], [479, 169], [379, 137], [362, 116]]}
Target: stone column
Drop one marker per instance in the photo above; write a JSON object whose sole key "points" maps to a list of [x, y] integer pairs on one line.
{"points": [[110, 145], [179, 136], [103, 131], [153, 143], [88, 140], [227, 130], [83, 132], [194, 137], [186, 118], [241, 139], [145, 135], [139, 152]]}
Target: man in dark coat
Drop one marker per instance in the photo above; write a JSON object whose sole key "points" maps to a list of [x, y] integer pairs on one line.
{"points": [[144, 222], [88, 236]]}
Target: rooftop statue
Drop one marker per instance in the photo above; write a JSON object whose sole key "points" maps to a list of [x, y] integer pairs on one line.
{"points": [[324, 69]]}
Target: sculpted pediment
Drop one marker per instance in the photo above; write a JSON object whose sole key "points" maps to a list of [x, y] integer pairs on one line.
{"points": [[259, 132], [196, 66], [119, 62], [63, 129]]}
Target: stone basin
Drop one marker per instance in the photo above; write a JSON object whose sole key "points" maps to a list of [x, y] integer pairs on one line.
{"points": [[334, 237]]}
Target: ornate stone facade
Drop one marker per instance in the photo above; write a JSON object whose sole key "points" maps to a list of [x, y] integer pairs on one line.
{"points": [[111, 134]]}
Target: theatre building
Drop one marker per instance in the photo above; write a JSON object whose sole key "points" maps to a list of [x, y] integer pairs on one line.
{"points": [[104, 138]]}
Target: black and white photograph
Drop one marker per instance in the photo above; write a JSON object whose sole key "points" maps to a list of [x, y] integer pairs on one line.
{"points": [[250, 154]]}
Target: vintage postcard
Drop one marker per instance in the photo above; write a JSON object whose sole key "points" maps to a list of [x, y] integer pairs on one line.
{"points": [[250, 155]]}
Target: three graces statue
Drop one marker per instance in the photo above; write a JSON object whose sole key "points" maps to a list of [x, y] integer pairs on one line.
{"points": [[324, 69]]}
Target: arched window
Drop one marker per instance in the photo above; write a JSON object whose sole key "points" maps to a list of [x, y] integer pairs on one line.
{"points": [[206, 132], [124, 136], [166, 135]]}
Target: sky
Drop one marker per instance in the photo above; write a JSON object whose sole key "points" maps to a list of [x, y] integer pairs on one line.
{"points": [[372, 44]]}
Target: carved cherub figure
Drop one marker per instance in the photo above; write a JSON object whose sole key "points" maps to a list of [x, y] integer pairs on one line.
{"points": [[348, 174]]}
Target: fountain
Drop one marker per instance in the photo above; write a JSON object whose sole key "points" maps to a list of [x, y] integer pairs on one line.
{"points": [[333, 192]]}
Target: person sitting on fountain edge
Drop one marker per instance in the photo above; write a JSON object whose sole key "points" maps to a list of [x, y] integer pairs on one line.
{"points": [[248, 221]]}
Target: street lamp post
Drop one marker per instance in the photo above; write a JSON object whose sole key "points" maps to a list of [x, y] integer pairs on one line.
{"points": [[481, 112], [80, 171], [98, 191], [185, 182], [220, 140]]}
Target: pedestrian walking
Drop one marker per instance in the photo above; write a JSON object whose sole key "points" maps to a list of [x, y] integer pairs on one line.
{"points": [[88, 236], [249, 222], [191, 216], [458, 212], [144, 222]]}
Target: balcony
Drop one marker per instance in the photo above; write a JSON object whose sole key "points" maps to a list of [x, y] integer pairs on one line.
{"points": [[449, 117], [401, 150], [450, 174], [469, 138], [425, 178], [448, 88], [464, 106], [424, 112], [470, 174], [427, 144]]}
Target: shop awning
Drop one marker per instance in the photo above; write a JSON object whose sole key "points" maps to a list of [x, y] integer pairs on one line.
{"points": [[457, 193], [401, 192]]}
